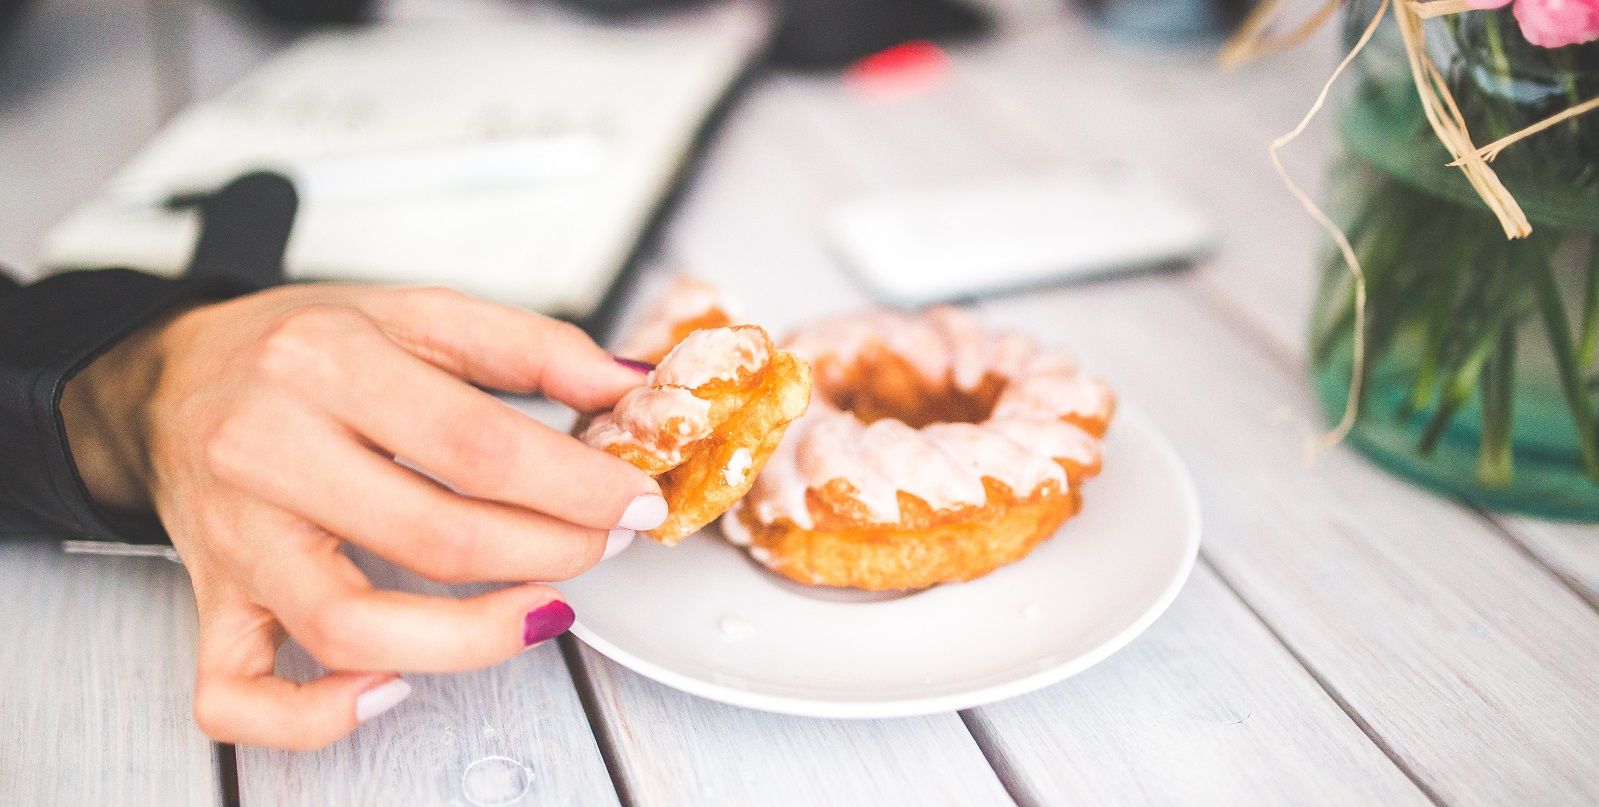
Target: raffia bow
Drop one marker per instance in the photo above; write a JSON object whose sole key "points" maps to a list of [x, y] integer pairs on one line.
{"points": [[1253, 40]]}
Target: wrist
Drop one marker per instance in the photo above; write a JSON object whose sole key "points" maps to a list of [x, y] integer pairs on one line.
{"points": [[103, 408]]}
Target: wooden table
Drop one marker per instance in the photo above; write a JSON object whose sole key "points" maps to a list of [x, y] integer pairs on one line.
{"points": [[1345, 639]]}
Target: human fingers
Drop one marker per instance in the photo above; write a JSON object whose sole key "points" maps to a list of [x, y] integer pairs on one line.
{"points": [[311, 467], [325, 603], [238, 699], [338, 358], [504, 347]]}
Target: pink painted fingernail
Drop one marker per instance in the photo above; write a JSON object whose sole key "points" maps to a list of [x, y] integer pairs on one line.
{"points": [[380, 699], [634, 364], [547, 622], [616, 542], [643, 513]]}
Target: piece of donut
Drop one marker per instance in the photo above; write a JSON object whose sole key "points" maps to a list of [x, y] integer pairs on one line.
{"points": [[934, 451], [686, 305], [705, 421]]}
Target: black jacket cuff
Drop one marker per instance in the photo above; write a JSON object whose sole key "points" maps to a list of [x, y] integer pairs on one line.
{"points": [[48, 332]]}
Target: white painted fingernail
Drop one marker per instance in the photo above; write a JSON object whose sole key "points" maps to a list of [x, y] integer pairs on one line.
{"points": [[380, 699], [644, 513], [616, 541]]}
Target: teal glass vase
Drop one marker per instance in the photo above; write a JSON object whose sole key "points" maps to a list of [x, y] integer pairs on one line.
{"points": [[1481, 377]]}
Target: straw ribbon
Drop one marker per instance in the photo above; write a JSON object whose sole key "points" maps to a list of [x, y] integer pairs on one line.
{"points": [[1443, 114]]}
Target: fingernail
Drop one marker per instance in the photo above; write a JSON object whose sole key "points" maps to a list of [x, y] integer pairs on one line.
{"points": [[616, 541], [634, 364], [643, 513], [380, 699], [547, 622]]}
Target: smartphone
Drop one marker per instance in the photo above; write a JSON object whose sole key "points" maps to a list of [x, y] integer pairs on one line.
{"points": [[918, 246]]}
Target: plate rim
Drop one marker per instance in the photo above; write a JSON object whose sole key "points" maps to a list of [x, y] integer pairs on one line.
{"points": [[921, 706]]}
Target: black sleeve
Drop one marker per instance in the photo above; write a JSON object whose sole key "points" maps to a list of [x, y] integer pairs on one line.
{"points": [[53, 328], [48, 332]]}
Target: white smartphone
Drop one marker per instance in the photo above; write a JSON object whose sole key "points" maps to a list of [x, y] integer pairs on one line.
{"points": [[918, 246]]}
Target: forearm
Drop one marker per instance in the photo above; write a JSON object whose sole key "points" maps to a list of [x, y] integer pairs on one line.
{"points": [[102, 409]]}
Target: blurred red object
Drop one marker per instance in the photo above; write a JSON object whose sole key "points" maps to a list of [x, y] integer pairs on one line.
{"points": [[903, 70]]}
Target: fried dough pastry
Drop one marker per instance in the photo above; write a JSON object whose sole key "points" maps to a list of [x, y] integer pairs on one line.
{"points": [[934, 451], [706, 420]]}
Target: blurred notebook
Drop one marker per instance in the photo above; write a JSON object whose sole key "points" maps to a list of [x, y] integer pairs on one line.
{"points": [[519, 159]]}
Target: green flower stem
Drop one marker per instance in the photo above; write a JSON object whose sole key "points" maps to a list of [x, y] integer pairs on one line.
{"points": [[1590, 309], [1495, 464], [1460, 382], [1435, 332], [1554, 318], [1376, 237], [1496, 47]]}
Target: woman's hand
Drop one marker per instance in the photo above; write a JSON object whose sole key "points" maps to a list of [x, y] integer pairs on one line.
{"points": [[262, 430]]}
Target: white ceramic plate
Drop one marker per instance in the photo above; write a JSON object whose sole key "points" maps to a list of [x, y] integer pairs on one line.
{"points": [[703, 618]]}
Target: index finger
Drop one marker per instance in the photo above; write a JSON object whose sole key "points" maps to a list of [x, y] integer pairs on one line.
{"points": [[503, 347]]}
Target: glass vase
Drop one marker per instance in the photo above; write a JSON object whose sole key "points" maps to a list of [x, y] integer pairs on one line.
{"points": [[1481, 378]]}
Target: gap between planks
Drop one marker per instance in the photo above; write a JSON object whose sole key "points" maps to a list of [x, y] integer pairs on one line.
{"points": [[1326, 686], [1007, 775], [1251, 329], [583, 682]]}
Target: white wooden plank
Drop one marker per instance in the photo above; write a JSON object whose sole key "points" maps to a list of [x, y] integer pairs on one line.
{"points": [[525, 710], [1063, 94], [751, 223], [1206, 708], [1572, 550], [98, 665], [1466, 658], [670, 748]]}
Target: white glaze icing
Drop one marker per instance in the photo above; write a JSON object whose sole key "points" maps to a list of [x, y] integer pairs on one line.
{"points": [[661, 420], [1050, 437], [942, 343], [969, 355], [905, 459], [664, 416], [943, 464], [987, 452], [712, 354], [733, 529], [780, 489], [1054, 394], [686, 299], [738, 466], [1010, 353]]}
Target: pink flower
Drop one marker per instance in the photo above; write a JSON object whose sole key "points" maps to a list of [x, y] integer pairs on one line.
{"points": [[1552, 23]]}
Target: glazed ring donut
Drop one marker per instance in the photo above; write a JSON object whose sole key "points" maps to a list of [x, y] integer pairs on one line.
{"points": [[934, 451], [705, 421]]}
